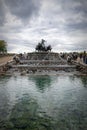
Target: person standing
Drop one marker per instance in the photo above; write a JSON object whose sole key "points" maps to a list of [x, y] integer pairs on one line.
{"points": [[84, 57]]}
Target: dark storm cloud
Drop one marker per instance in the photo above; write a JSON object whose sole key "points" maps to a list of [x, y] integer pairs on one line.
{"points": [[2, 12], [62, 23], [74, 12], [23, 9]]}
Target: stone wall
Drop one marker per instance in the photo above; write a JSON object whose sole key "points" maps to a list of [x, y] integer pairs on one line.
{"points": [[43, 56], [82, 68]]}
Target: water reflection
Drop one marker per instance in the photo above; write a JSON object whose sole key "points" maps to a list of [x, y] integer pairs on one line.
{"points": [[4, 98], [43, 103], [84, 80], [42, 82], [4, 80]]}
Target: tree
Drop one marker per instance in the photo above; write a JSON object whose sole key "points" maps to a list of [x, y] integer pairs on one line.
{"points": [[3, 46], [41, 46]]}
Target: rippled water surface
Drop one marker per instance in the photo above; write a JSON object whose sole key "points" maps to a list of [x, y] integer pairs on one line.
{"points": [[43, 103]]}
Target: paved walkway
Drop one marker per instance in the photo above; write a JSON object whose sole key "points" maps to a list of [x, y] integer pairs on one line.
{"points": [[5, 59]]}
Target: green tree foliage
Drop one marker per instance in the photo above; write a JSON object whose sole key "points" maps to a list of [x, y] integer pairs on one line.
{"points": [[3, 46], [41, 46]]}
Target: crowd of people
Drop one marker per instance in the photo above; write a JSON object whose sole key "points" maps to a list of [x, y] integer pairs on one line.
{"points": [[75, 56]]}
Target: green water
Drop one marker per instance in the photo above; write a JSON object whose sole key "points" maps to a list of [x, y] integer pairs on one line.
{"points": [[43, 103]]}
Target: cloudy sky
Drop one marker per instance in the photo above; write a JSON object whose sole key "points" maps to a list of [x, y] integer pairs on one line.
{"points": [[62, 23]]}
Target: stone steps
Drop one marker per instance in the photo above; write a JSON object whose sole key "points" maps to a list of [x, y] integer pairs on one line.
{"points": [[45, 67]]}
